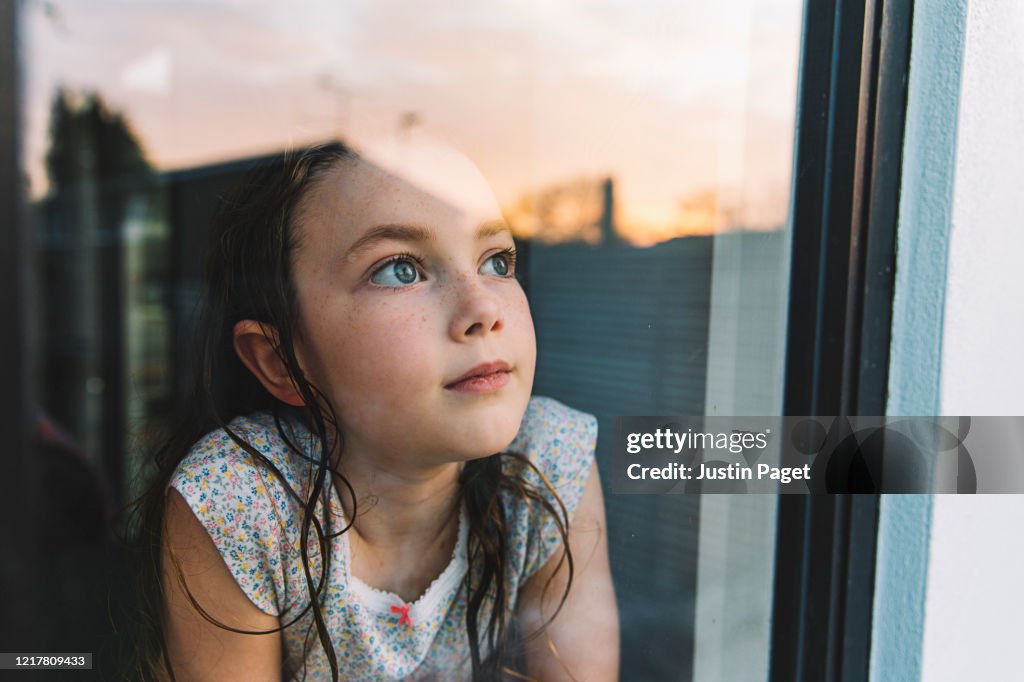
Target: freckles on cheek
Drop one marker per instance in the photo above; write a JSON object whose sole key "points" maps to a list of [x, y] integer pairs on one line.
{"points": [[394, 361], [390, 333], [406, 332], [519, 310]]}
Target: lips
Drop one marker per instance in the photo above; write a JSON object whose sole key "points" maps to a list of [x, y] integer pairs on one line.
{"points": [[484, 378]]}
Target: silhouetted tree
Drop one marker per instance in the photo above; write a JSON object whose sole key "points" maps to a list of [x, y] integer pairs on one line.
{"points": [[88, 137], [96, 169]]}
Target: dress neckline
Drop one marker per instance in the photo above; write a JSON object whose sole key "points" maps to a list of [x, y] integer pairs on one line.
{"points": [[437, 593], [380, 601]]}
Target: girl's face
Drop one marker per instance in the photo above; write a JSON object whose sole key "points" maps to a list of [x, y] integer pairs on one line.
{"points": [[412, 321]]}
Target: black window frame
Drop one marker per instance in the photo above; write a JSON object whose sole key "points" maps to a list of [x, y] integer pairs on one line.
{"points": [[848, 161]]}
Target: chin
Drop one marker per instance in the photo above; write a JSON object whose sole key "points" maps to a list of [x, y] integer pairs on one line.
{"points": [[490, 431]]}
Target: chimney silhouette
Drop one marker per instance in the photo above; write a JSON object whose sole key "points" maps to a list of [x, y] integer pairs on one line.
{"points": [[608, 234]]}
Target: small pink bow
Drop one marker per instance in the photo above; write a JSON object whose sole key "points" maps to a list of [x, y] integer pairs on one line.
{"points": [[404, 610]]}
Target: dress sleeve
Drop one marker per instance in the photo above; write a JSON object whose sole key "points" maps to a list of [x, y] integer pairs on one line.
{"points": [[560, 442], [243, 508]]}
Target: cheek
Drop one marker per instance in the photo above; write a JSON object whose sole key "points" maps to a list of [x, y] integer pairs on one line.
{"points": [[520, 322], [372, 352]]}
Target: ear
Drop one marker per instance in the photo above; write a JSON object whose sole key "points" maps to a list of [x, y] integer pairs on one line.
{"points": [[255, 344]]}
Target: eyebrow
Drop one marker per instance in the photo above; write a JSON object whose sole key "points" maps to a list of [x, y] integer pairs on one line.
{"points": [[416, 233]]}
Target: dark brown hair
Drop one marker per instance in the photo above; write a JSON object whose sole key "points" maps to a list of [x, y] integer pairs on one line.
{"points": [[248, 276]]}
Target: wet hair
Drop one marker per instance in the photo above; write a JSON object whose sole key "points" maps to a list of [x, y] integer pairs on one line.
{"points": [[248, 276]]}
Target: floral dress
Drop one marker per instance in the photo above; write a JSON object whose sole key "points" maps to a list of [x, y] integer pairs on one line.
{"points": [[254, 522]]}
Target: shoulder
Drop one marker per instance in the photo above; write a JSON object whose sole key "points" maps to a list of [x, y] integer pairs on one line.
{"points": [[249, 450], [548, 425], [240, 482], [560, 442]]}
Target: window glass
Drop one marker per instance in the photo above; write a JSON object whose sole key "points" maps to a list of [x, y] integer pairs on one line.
{"points": [[641, 151]]}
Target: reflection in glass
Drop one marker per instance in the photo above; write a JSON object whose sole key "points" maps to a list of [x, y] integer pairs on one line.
{"points": [[642, 153]]}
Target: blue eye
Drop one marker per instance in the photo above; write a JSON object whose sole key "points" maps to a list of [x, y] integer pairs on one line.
{"points": [[500, 264], [397, 273]]}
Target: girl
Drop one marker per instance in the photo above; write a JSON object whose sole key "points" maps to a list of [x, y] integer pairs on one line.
{"points": [[333, 507]]}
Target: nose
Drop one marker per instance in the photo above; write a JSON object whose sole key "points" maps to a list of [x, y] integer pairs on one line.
{"points": [[477, 311]]}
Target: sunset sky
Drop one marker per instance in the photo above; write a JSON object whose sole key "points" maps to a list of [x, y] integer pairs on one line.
{"points": [[688, 105]]}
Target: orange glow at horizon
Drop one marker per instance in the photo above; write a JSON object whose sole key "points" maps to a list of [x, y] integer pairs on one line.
{"points": [[690, 108]]}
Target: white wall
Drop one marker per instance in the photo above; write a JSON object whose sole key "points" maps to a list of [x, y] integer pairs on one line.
{"points": [[974, 604], [983, 336]]}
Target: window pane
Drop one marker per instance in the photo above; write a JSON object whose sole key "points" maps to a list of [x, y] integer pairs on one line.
{"points": [[641, 151]]}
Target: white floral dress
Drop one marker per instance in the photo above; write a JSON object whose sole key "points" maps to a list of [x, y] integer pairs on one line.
{"points": [[254, 523]]}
